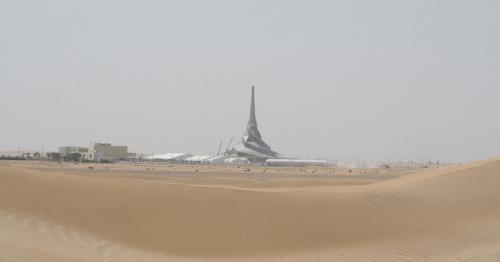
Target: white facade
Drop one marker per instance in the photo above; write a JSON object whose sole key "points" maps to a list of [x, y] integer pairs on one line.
{"points": [[237, 160], [295, 162], [216, 159], [170, 157], [197, 159]]}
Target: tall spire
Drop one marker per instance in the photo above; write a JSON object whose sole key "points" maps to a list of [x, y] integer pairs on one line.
{"points": [[253, 119], [252, 130], [252, 107], [252, 145]]}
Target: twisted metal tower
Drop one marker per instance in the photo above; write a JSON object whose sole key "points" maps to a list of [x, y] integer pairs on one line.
{"points": [[252, 146]]}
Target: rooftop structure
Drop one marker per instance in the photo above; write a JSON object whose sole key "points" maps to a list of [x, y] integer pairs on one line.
{"points": [[252, 146]]}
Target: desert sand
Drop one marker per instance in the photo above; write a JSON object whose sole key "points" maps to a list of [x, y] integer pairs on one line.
{"points": [[85, 212]]}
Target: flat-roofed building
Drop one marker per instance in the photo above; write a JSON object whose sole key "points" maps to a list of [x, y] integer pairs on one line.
{"points": [[296, 162], [66, 150], [197, 159], [108, 152], [170, 157]]}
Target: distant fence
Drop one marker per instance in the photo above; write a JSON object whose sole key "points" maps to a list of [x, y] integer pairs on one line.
{"points": [[13, 158]]}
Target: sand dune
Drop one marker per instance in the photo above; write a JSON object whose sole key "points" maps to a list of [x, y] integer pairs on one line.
{"points": [[445, 214]]}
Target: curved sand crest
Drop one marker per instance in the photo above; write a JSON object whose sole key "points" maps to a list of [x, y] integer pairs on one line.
{"points": [[422, 216], [28, 238]]}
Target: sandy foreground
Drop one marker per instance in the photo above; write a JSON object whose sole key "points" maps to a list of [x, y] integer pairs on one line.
{"points": [[59, 212]]}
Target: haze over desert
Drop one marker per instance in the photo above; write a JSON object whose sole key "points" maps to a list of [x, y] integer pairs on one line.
{"points": [[193, 131]]}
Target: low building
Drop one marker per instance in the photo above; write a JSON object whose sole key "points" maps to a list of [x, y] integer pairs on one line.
{"points": [[295, 162], [22, 155], [66, 150], [197, 159], [217, 159], [236, 161], [170, 157], [107, 152]]}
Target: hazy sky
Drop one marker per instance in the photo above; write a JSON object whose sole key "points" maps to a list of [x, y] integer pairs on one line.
{"points": [[334, 79]]}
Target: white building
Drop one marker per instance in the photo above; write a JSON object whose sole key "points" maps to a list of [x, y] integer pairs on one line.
{"points": [[216, 159], [197, 159], [295, 162], [237, 161], [170, 157]]}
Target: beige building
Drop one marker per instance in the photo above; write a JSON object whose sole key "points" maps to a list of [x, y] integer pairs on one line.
{"points": [[66, 150], [107, 152]]}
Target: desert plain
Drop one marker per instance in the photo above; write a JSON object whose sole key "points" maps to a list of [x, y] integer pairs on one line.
{"points": [[160, 212]]}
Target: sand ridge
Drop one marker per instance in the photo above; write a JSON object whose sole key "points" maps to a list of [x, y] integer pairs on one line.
{"points": [[430, 215]]}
